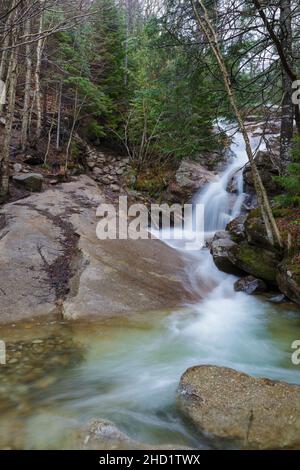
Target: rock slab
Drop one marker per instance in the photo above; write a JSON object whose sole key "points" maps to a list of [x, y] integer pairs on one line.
{"points": [[251, 413]]}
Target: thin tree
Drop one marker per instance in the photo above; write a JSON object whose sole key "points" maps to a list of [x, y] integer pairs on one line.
{"points": [[205, 25], [283, 45], [39, 51], [27, 91], [12, 77]]}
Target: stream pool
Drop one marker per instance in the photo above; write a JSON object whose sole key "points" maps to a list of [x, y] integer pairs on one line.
{"points": [[127, 370]]}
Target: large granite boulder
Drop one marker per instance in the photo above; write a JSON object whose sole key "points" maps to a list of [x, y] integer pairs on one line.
{"points": [[190, 177], [255, 261], [49, 249], [246, 412]]}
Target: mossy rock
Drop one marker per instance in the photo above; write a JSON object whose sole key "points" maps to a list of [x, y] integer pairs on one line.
{"points": [[254, 260], [288, 278]]}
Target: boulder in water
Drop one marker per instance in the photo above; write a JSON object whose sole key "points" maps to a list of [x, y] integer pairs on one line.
{"points": [[250, 285], [220, 250], [252, 413], [100, 434], [253, 260]]}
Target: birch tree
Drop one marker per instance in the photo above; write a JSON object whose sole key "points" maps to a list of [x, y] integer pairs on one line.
{"points": [[12, 76], [27, 90]]}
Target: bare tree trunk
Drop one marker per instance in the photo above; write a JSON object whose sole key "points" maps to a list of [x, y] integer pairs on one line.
{"points": [[287, 114], [4, 151], [59, 116], [75, 117], [26, 106], [39, 51], [205, 25], [4, 58], [127, 12], [283, 44]]}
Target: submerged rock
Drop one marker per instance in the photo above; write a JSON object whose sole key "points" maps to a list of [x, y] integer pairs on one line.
{"points": [[100, 434], [250, 285], [277, 299], [253, 413]]}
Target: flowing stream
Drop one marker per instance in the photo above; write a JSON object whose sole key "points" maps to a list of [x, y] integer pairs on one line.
{"points": [[132, 366]]}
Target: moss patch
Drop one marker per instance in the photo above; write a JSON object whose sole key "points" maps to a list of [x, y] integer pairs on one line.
{"points": [[256, 261]]}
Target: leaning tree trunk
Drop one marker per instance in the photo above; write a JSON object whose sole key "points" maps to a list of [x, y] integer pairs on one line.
{"points": [[287, 115], [26, 106], [205, 25]]}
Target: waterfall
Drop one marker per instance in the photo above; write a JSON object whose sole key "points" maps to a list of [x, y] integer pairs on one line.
{"points": [[221, 206]]}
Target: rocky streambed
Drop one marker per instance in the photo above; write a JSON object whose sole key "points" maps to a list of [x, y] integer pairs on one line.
{"points": [[157, 311]]}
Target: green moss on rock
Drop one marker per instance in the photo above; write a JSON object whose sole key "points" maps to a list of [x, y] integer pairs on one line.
{"points": [[254, 260]]}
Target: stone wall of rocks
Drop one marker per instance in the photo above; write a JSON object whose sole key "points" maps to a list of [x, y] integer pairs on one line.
{"points": [[107, 169]]}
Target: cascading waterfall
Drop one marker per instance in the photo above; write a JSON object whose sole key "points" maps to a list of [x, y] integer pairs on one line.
{"points": [[219, 205]]}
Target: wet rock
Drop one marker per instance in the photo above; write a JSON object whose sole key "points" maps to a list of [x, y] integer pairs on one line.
{"points": [[100, 434], [50, 250], [252, 413], [31, 182], [220, 250], [250, 285], [278, 299], [288, 278], [221, 235], [189, 178], [253, 260], [236, 228], [33, 365]]}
